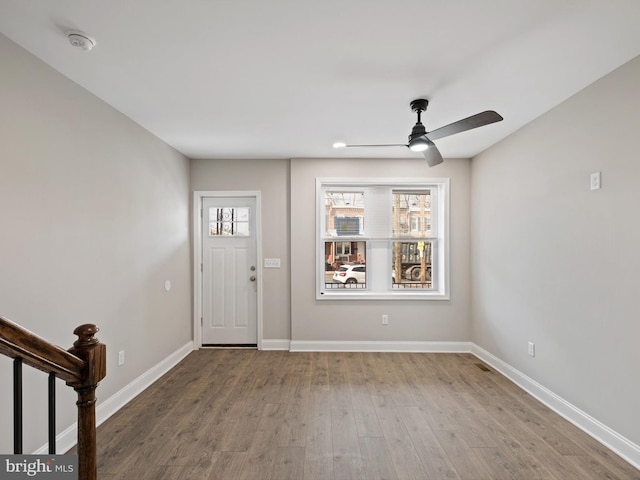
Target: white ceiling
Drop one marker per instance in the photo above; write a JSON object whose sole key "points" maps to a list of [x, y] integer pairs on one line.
{"points": [[288, 78]]}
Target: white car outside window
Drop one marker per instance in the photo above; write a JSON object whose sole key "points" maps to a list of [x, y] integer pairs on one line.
{"points": [[350, 274]]}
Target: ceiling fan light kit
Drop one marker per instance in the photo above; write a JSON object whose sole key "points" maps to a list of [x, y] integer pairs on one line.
{"points": [[418, 145], [422, 141]]}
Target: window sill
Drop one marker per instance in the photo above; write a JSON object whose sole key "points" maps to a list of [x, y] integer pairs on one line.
{"points": [[382, 296]]}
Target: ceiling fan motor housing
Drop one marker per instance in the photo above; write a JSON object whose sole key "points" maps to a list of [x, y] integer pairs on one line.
{"points": [[417, 131]]}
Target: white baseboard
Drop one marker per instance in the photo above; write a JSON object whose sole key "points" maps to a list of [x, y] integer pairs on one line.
{"points": [[275, 344], [68, 438], [375, 346], [603, 434]]}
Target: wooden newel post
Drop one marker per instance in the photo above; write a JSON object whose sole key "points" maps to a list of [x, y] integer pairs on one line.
{"points": [[94, 354]]}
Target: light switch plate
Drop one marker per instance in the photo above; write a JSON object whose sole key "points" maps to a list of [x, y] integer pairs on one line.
{"points": [[595, 181], [271, 263]]}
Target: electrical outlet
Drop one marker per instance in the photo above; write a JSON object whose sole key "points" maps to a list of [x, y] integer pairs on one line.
{"points": [[121, 358], [385, 319], [595, 181], [532, 349]]}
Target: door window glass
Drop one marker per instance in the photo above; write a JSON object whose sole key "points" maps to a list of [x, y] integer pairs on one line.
{"points": [[229, 221]]}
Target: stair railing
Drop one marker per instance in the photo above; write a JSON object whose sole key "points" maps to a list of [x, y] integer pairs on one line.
{"points": [[81, 367]]}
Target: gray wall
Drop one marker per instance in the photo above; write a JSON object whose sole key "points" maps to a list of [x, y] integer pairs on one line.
{"points": [[95, 217], [558, 264], [409, 320], [271, 178]]}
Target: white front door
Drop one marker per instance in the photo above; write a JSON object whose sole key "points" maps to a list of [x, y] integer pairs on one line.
{"points": [[229, 271]]}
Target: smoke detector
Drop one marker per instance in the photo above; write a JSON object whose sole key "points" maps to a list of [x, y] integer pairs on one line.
{"points": [[81, 40]]}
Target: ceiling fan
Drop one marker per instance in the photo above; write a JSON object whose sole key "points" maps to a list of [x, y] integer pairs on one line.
{"points": [[422, 141]]}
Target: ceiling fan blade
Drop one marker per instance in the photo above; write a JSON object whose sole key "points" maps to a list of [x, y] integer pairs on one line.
{"points": [[432, 154], [474, 121], [379, 145]]}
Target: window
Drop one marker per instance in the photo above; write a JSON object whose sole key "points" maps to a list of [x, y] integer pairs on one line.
{"points": [[382, 238]]}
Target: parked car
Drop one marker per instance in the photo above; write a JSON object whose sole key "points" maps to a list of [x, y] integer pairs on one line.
{"points": [[350, 274]]}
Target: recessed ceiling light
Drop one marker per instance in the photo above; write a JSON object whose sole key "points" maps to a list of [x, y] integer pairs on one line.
{"points": [[339, 145]]}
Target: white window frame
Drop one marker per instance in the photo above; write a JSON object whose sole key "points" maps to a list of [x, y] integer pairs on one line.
{"points": [[383, 290]]}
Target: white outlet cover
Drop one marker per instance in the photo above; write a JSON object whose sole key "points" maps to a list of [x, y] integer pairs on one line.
{"points": [[595, 181], [167, 285]]}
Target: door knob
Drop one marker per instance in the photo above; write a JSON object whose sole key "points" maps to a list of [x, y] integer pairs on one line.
{"points": [[252, 278], [253, 269]]}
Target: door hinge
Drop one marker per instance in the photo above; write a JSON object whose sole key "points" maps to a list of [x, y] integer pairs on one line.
{"points": [[201, 322], [200, 267]]}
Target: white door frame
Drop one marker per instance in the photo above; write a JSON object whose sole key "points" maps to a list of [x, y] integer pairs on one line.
{"points": [[197, 258]]}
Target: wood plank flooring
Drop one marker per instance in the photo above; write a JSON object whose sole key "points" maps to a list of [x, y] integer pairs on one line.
{"points": [[250, 415]]}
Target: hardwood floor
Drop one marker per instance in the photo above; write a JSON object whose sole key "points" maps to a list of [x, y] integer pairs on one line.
{"points": [[250, 415]]}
